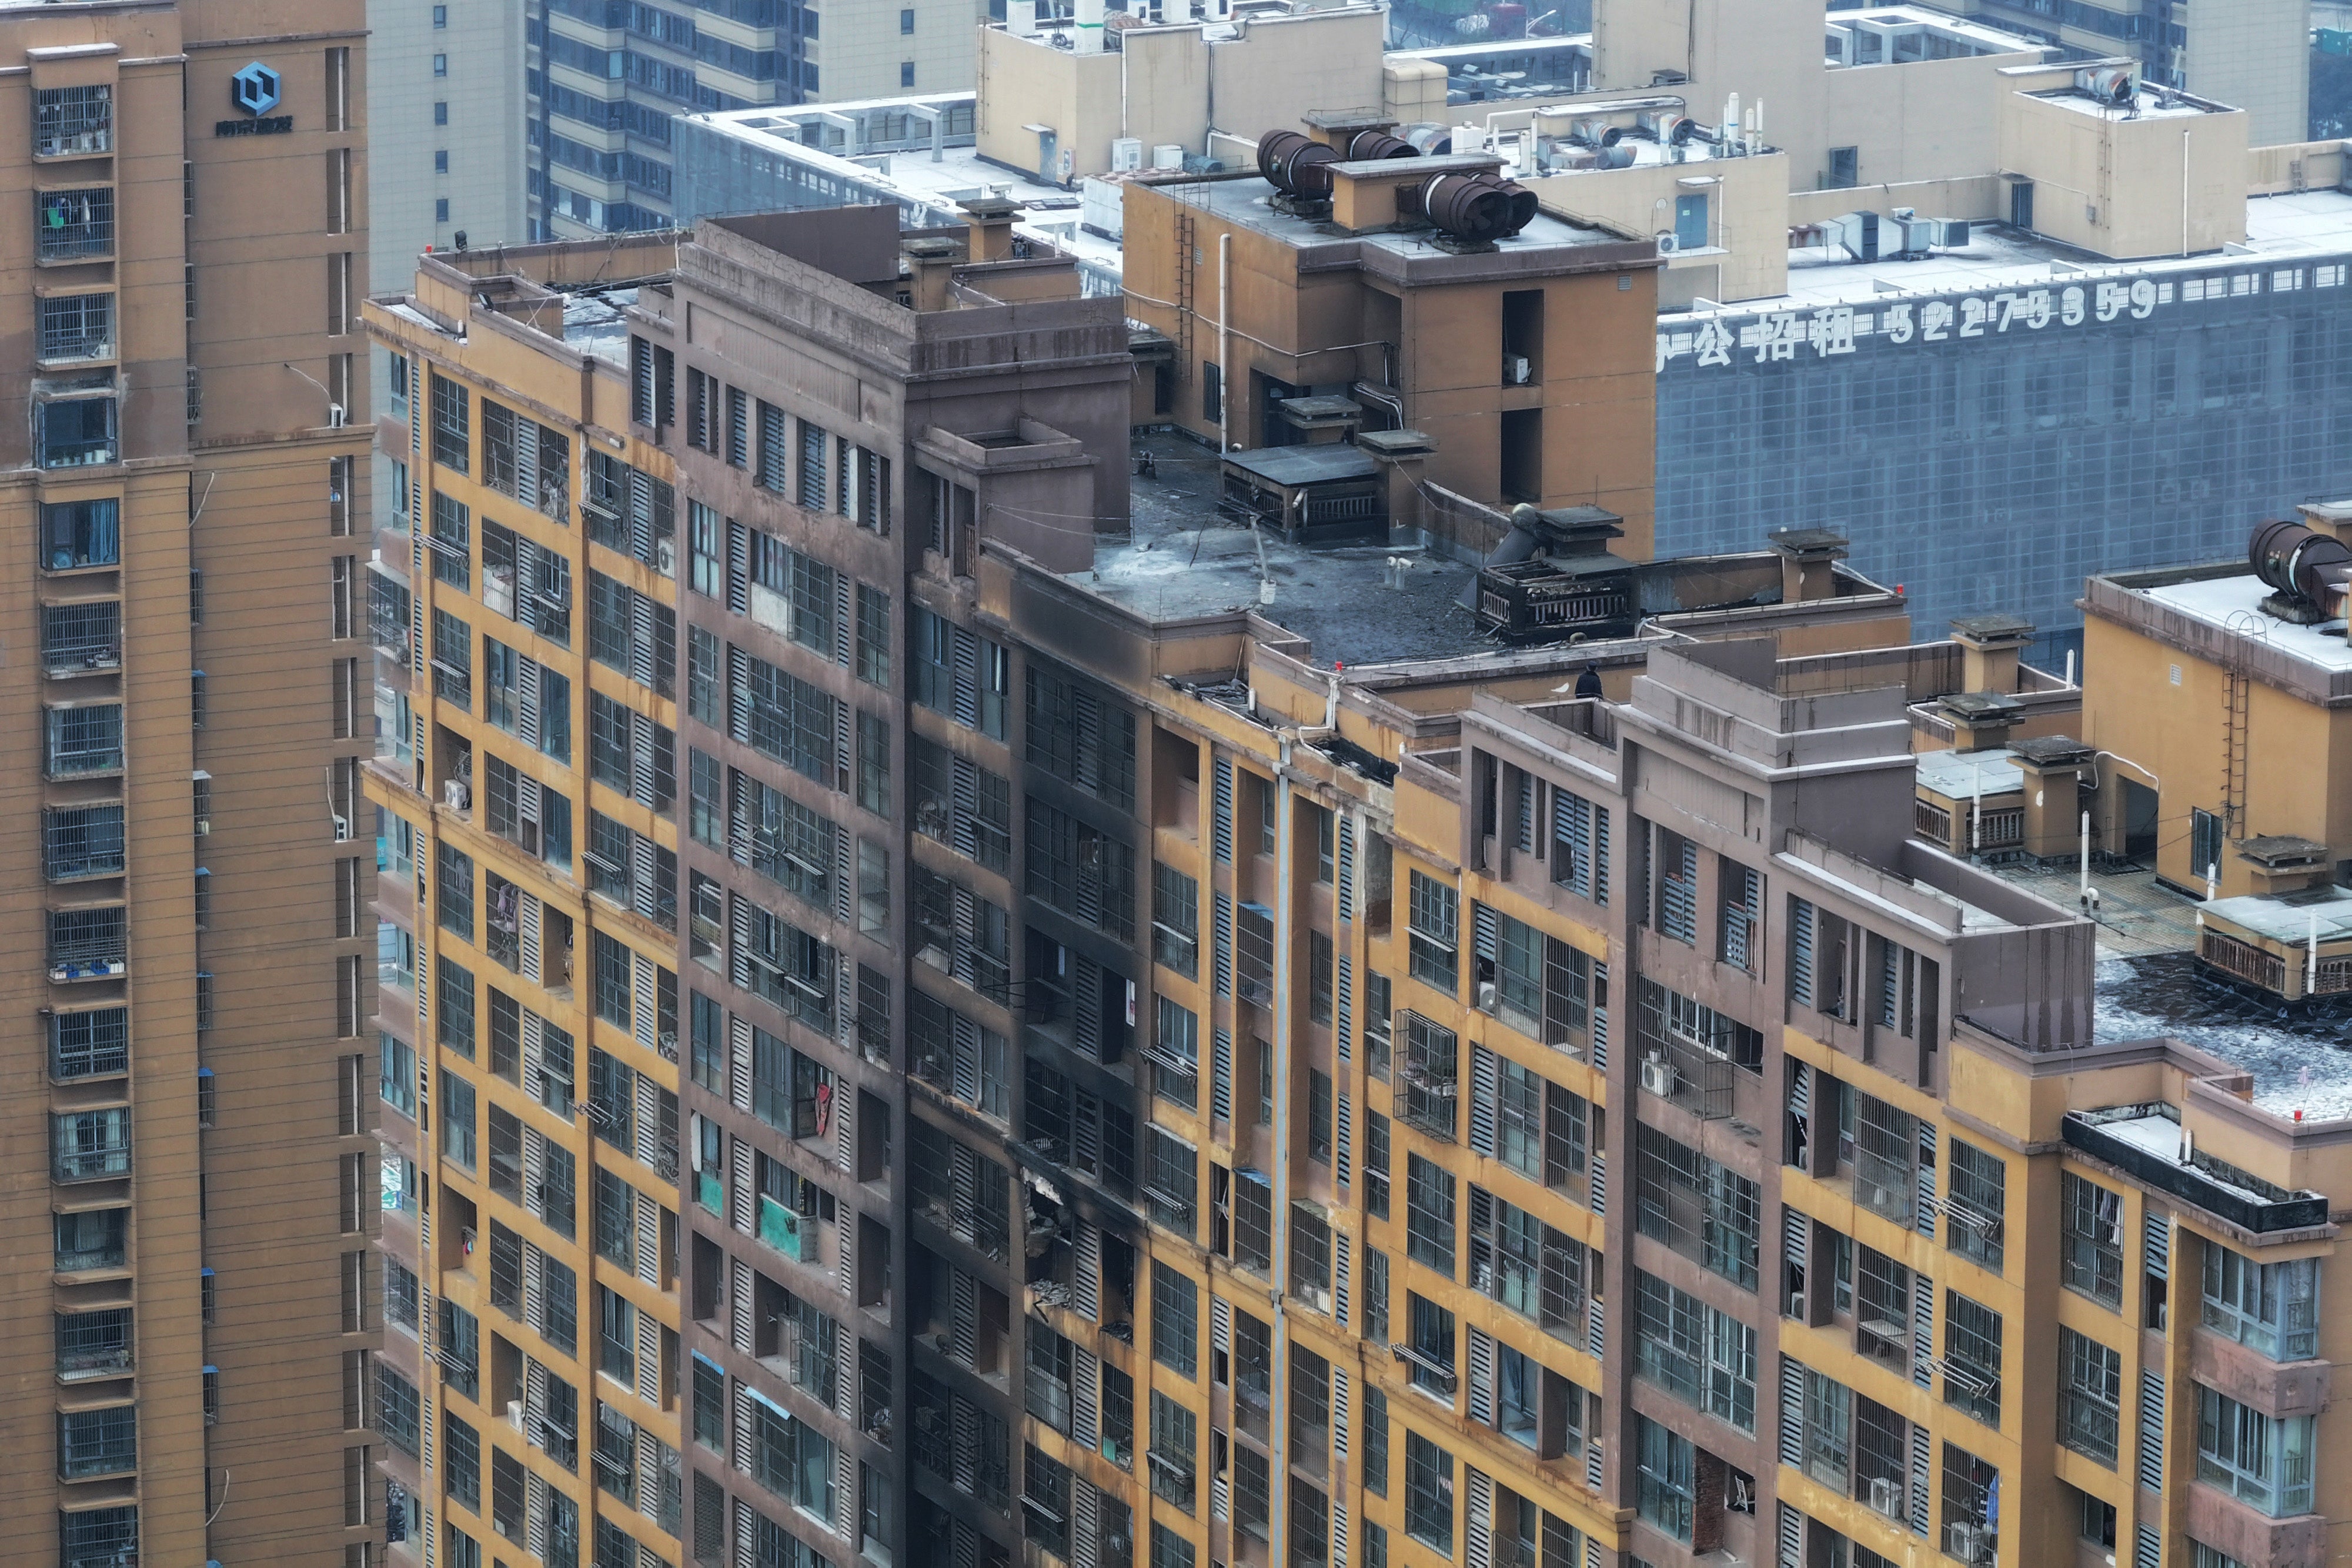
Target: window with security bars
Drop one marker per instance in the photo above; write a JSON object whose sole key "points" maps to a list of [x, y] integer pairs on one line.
{"points": [[2090, 1396], [1666, 1478], [1117, 1415], [632, 635], [1175, 920], [92, 1042], [1253, 1222], [1704, 1356], [1173, 1454], [1972, 1510], [1972, 1334], [1253, 1493], [75, 327], [1886, 1157], [1171, 1182], [73, 122], [1080, 870], [1046, 1378], [794, 593], [1428, 1080], [1433, 915], [82, 741], [1428, 1494], [1882, 1307], [1975, 1203], [1078, 735], [453, 660], [2090, 1238], [1429, 1207], [1310, 1258], [1045, 1500], [1699, 1207], [92, 1342], [1175, 1327], [452, 436], [1377, 1164]]}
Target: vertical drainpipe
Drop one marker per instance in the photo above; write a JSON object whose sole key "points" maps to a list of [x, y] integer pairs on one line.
{"points": [[1284, 909]]}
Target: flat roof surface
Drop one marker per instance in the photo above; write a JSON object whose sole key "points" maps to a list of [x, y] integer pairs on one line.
{"points": [[594, 324], [1944, 22], [2301, 1059], [1958, 776], [1182, 560], [1050, 212], [2230, 603], [1318, 463], [2284, 921], [2279, 229]]}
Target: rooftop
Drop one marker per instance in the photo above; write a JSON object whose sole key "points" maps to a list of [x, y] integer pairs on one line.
{"points": [[597, 323], [2233, 604], [929, 183], [1907, 33], [1183, 559], [2303, 226], [1247, 202]]}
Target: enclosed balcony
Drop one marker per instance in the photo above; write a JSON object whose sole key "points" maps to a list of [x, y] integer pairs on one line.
{"points": [[81, 638], [88, 944], [75, 224], [77, 329], [90, 1145], [81, 841]]}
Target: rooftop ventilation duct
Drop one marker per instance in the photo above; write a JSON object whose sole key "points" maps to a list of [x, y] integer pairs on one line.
{"points": [[2109, 84], [1479, 207], [1367, 145], [1297, 166], [2307, 570]]}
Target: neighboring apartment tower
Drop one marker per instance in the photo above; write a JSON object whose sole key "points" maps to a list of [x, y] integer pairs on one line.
{"points": [[604, 79], [525, 766], [855, 1267], [451, 159], [177, 474]]}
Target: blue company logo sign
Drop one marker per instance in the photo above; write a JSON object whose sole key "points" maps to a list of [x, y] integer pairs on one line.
{"points": [[257, 90]]}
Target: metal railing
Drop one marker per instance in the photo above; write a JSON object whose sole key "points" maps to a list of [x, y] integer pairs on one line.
{"points": [[81, 637], [81, 841], [75, 224]]}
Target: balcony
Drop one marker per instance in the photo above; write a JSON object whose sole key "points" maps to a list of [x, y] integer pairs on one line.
{"points": [[88, 944], [82, 741], [90, 1145], [75, 432], [76, 330], [79, 841], [73, 122], [76, 226], [81, 638]]}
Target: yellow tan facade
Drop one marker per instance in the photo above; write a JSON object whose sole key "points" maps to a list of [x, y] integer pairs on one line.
{"points": [[187, 1170], [529, 1010]]}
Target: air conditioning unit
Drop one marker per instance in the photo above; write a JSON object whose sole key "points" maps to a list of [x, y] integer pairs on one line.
{"points": [[1126, 154], [1965, 1541], [342, 827], [1886, 1497], [1797, 1305], [1516, 371], [1658, 1076], [1168, 155], [1488, 990], [337, 416], [1667, 243]]}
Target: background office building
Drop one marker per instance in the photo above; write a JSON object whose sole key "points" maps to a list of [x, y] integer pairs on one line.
{"points": [[605, 78], [187, 883]]}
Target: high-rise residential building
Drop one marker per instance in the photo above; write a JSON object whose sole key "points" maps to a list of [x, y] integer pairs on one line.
{"points": [[1195, 1053], [522, 609], [180, 461], [606, 77]]}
